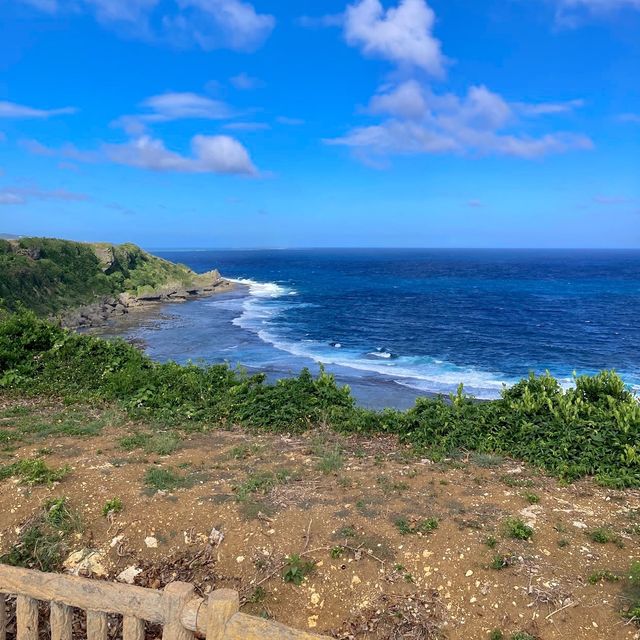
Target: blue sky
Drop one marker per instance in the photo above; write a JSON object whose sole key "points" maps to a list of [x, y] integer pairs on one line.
{"points": [[226, 123]]}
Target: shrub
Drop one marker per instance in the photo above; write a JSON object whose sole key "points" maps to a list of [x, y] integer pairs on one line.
{"points": [[111, 507], [296, 569], [517, 529], [593, 429]]}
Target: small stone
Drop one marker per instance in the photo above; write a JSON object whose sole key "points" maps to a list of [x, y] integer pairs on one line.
{"points": [[215, 537], [128, 576], [151, 542], [355, 580], [116, 540], [469, 573], [240, 559]]}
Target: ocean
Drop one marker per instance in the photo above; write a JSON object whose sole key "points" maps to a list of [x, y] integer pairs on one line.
{"points": [[398, 323]]}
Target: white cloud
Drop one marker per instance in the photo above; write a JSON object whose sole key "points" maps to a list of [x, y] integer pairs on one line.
{"points": [[480, 123], [401, 34], [22, 195], [133, 11], [173, 106], [244, 82], [67, 150], [14, 110], [210, 154], [570, 13], [208, 24], [178, 106], [406, 100], [548, 108]]}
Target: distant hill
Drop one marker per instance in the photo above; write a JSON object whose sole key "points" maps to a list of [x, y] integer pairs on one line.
{"points": [[48, 275], [9, 236]]}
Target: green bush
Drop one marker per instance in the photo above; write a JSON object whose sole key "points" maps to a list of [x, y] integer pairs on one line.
{"points": [[590, 430]]}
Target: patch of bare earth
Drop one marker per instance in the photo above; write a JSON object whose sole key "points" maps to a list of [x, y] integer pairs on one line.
{"points": [[402, 547]]}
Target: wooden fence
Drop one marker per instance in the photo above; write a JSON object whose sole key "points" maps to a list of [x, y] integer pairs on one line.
{"points": [[180, 612]]}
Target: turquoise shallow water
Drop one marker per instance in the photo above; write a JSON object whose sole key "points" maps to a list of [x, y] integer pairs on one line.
{"points": [[398, 323]]}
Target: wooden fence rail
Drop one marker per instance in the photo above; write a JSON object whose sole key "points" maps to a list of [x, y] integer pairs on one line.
{"points": [[181, 613]]}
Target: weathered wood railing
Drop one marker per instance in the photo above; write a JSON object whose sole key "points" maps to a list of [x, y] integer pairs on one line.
{"points": [[180, 612]]}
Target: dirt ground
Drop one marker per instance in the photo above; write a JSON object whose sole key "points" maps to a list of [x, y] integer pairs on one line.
{"points": [[390, 545]]}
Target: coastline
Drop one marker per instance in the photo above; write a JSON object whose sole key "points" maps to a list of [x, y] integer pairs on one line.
{"points": [[99, 313]]}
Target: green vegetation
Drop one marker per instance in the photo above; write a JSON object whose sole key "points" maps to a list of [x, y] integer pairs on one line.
{"points": [[331, 461], [604, 575], [499, 562], [33, 472], [43, 540], [261, 482], [422, 526], [296, 569], [517, 529], [162, 443], [593, 429], [531, 498], [164, 480], [49, 275], [491, 542], [632, 593], [111, 507]]}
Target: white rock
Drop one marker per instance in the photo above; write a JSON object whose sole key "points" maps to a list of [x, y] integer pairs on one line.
{"points": [[116, 540], [86, 562], [151, 542], [128, 576], [215, 537]]}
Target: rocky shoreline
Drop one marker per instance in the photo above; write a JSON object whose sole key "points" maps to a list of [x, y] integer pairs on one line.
{"points": [[100, 312]]}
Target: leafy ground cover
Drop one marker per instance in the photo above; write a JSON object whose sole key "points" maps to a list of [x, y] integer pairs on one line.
{"points": [[590, 430]]}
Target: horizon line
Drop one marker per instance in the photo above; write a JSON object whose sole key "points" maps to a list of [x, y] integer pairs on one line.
{"points": [[386, 248]]}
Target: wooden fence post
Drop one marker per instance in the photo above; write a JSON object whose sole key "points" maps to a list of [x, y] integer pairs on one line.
{"points": [[97, 625], [132, 628], [60, 620], [3, 617], [26, 618], [176, 595], [222, 605]]}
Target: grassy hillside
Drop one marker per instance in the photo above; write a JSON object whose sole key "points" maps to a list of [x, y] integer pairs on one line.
{"points": [[48, 275]]}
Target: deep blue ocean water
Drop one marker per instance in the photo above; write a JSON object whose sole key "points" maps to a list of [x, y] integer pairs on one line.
{"points": [[397, 323]]}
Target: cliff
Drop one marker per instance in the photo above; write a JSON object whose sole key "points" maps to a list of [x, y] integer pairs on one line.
{"points": [[84, 283]]}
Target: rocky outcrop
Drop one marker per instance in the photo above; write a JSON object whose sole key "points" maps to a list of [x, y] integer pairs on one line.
{"points": [[101, 311]]}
